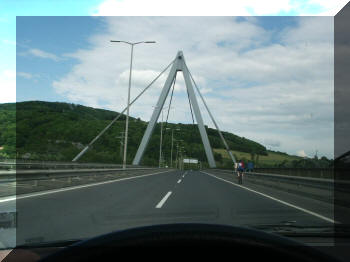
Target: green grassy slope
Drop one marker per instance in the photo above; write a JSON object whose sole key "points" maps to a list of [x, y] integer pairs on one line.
{"points": [[58, 131], [271, 159]]}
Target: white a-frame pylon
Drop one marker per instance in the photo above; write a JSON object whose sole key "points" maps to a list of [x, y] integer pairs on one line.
{"points": [[178, 65]]}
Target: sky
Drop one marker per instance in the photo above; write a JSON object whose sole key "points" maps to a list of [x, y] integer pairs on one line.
{"points": [[266, 78]]}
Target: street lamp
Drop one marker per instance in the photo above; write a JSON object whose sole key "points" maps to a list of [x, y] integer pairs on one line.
{"points": [[161, 135], [183, 153], [172, 144], [127, 110], [177, 152]]}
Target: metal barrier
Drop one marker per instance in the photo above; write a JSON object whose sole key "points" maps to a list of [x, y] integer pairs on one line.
{"points": [[19, 165], [29, 175], [317, 188], [303, 172], [29, 181], [321, 183]]}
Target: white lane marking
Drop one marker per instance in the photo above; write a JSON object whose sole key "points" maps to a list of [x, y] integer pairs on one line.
{"points": [[179, 181], [7, 199], [278, 200], [184, 174], [161, 203], [12, 198]]}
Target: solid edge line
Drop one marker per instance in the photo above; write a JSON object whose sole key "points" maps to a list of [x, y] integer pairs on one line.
{"points": [[47, 192], [276, 199], [161, 203]]}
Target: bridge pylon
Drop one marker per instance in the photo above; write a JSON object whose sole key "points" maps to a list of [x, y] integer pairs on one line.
{"points": [[178, 65]]}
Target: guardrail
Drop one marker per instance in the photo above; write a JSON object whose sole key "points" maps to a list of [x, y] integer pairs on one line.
{"points": [[29, 175], [318, 188], [307, 181], [303, 172], [29, 181], [12, 165]]}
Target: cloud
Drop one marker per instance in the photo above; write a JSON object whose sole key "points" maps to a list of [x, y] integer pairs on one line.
{"points": [[9, 42], [257, 82], [7, 86], [43, 54], [218, 7], [301, 153], [25, 75]]}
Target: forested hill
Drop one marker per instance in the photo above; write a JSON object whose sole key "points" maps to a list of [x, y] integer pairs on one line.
{"points": [[58, 131]]}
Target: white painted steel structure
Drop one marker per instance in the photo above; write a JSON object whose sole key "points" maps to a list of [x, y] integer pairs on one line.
{"points": [[179, 65]]}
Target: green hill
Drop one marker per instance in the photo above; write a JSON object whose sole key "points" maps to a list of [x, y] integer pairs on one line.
{"points": [[271, 159], [58, 131]]}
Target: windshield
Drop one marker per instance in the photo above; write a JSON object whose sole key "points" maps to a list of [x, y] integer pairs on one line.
{"points": [[122, 122]]}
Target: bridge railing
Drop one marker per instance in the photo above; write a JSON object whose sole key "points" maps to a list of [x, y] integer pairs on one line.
{"points": [[318, 188], [27, 175], [17, 182], [301, 172], [12, 164]]}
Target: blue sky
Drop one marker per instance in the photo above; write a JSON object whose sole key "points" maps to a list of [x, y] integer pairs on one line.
{"points": [[57, 36], [69, 59], [60, 36]]}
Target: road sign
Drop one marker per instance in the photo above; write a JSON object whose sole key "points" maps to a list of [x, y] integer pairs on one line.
{"points": [[190, 161]]}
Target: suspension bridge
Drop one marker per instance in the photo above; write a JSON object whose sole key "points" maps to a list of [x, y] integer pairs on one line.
{"points": [[85, 201], [177, 65]]}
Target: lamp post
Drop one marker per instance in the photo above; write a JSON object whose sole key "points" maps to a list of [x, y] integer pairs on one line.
{"points": [[172, 144], [161, 135], [128, 105], [161, 141], [177, 152], [182, 152]]}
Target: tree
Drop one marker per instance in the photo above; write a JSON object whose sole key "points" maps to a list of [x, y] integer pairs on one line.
{"points": [[218, 157]]}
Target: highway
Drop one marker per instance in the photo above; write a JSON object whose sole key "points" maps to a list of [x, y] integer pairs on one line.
{"points": [[160, 197]]}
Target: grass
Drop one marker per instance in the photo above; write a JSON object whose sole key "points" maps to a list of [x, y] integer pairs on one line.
{"points": [[270, 160]]}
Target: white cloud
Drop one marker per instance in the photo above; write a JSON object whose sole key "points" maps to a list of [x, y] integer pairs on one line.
{"points": [[7, 86], [331, 7], [218, 7], [9, 42], [25, 75], [301, 153], [255, 87], [43, 54]]}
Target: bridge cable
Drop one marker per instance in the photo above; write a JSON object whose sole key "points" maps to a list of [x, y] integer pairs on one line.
{"points": [[171, 98], [212, 118], [119, 115]]}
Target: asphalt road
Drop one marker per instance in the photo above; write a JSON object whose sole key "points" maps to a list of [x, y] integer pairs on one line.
{"points": [[168, 197]]}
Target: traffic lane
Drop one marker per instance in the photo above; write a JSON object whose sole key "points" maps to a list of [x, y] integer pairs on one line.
{"points": [[90, 211], [225, 203], [314, 205]]}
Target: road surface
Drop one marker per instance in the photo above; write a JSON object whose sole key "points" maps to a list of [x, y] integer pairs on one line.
{"points": [[166, 197]]}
